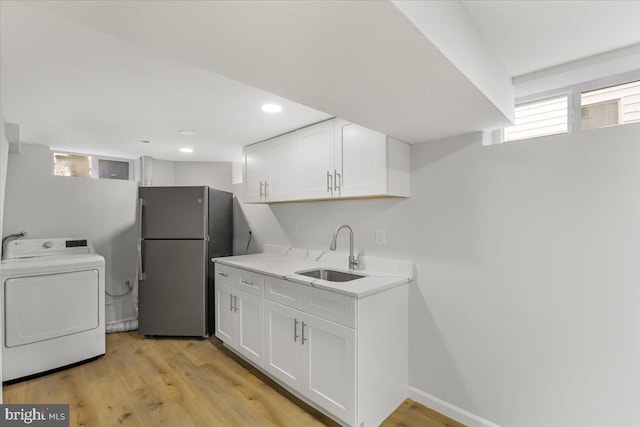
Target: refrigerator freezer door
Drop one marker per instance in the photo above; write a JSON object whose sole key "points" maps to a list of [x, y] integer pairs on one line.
{"points": [[220, 223], [174, 212], [173, 296]]}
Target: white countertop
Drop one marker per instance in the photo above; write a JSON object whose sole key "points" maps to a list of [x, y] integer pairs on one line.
{"points": [[285, 267]]}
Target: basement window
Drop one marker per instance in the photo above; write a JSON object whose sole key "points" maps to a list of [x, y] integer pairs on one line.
{"points": [[89, 166], [609, 101], [610, 106], [543, 117], [65, 164]]}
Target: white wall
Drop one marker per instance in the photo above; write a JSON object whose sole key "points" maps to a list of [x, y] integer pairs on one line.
{"points": [[524, 310], [164, 173], [102, 210], [214, 174]]}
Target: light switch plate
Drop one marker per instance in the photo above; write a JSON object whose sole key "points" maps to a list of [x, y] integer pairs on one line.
{"points": [[294, 228]]}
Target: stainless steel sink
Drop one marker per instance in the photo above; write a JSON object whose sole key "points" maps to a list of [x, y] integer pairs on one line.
{"points": [[330, 275]]}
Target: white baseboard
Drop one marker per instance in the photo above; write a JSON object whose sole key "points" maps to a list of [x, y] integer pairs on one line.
{"points": [[448, 409], [123, 325]]}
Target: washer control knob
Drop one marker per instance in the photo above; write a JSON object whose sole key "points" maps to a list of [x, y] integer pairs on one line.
{"points": [[48, 244]]}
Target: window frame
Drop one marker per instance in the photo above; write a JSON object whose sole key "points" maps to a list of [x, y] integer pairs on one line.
{"points": [[94, 174], [539, 98], [574, 104]]}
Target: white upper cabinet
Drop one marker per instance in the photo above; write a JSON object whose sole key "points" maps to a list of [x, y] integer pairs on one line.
{"points": [[257, 174], [285, 161], [329, 160], [361, 169], [317, 161]]}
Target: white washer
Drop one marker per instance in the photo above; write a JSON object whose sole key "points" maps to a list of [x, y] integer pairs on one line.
{"points": [[53, 302]]}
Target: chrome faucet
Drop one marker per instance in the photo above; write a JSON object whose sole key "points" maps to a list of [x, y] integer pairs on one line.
{"points": [[353, 260]]}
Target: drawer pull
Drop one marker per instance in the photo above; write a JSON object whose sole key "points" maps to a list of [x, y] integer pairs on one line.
{"points": [[220, 273], [246, 282]]}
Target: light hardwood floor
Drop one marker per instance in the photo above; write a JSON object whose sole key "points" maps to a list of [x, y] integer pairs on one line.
{"points": [[182, 382]]}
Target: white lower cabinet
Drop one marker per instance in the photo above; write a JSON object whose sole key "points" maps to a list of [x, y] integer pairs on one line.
{"points": [[346, 356], [283, 349], [239, 317], [313, 356], [225, 315], [328, 368], [249, 326]]}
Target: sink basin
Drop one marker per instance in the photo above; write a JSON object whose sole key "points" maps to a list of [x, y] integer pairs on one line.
{"points": [[330, 275]]}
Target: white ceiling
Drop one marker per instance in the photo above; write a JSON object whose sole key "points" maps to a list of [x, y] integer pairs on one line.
{"points": [[529, 36], [100, 76], [78, 89]]}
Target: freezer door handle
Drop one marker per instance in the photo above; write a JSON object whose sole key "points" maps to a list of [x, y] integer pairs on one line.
{"points": [[141, 275]]}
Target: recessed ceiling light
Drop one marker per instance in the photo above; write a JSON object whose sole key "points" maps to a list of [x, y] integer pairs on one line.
{"points": [[186, 150], [271, 108], [144, 141], [187, 132]]}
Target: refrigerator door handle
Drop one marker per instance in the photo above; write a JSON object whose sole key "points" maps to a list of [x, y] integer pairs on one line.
{"points": [[141, 275]]}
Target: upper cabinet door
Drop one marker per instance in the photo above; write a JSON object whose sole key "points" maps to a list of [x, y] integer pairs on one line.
{"points": [[257, 168], [362, 161], [317, 165], [174, 212], [285, 168]]}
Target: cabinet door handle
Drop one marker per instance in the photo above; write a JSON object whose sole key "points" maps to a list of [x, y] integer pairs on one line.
{"points": [[303, 338], [295, 330], [266, 193], [338, 177], [246, 282], [330, 182], [260, 188], [230, 302], [235, 303], [220, 273]]}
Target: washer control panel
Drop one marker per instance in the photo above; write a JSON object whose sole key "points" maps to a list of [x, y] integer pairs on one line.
{"points": [[25, 248]]}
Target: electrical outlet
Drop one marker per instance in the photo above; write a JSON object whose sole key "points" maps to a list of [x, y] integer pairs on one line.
{"points": [[294, 228], [381, 236]]}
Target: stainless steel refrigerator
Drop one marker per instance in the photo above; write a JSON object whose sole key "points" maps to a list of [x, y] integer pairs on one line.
{"points": [[180, 230]]}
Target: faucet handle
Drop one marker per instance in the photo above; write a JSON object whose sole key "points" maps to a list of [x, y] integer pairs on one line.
{"points": [[354, 262]]}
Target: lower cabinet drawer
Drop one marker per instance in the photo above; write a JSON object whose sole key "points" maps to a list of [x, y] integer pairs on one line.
{"points": [[284, 292], [250, 282], [338, 308], [329, 305], [244, 280]]}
